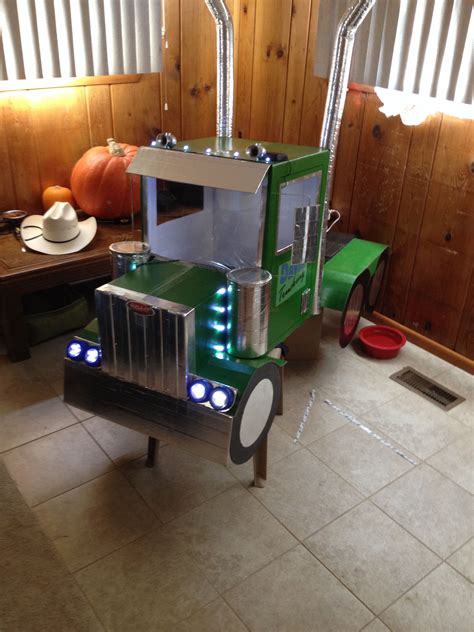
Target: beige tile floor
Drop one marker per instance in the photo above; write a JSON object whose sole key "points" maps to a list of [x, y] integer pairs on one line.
{"points": [[347, 534]]}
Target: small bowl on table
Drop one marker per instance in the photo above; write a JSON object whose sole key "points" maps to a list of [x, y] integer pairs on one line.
{"points": [[10, 221]]}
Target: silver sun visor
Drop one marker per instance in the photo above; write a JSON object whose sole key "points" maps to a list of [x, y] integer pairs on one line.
{"points": [[207, 171]]}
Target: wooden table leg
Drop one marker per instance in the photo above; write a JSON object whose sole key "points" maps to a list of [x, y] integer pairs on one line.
{"points": [[153, 444], [260, 465], [13, 326]]}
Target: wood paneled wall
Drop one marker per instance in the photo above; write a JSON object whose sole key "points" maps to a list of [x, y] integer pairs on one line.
{"points": [[410, 187], [45, 131]]}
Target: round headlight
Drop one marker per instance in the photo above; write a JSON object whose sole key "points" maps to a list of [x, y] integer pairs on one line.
{"points": [[76, 350], [198, 391], [93, 356], [221, 398]]}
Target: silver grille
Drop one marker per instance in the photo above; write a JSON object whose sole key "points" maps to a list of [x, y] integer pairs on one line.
{"points": [[146, 340]]}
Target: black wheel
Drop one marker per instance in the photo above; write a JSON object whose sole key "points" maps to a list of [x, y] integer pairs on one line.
{"points": [[376, 282], [353, 308], [255, 413]]}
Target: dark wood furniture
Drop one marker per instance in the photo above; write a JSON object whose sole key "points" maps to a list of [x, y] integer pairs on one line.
{"points": [[23, 271]]}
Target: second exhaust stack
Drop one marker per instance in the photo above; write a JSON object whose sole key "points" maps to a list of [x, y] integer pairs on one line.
{"points": [[225, 66]]}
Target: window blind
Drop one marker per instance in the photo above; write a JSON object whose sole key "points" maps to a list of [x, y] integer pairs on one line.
{"points": [[78, 38], [421, 47]]}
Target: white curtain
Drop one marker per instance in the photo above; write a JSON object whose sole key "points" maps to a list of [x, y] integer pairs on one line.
{"points": [[78, 38], [421, 47]]}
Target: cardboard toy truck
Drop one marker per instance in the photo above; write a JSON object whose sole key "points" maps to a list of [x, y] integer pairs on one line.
{"points": [[182, 342]]}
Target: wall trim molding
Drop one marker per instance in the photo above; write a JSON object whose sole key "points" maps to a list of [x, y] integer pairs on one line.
{"points": [[39, 84], [432, 346]]}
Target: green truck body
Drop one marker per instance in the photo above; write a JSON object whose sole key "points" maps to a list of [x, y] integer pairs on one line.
{"points": [[165, 325]]}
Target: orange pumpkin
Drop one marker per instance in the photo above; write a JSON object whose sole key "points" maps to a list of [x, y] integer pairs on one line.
{"points": [[100, 184], [56, 194]]}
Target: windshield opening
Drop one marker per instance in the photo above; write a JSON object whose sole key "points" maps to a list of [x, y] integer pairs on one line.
{"points": [[206, 225]]}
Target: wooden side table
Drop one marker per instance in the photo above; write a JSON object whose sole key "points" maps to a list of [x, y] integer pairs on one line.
{"points": [[23, 271]]}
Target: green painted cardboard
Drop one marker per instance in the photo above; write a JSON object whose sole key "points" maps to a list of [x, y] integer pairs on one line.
{"points": [[200, 287]]}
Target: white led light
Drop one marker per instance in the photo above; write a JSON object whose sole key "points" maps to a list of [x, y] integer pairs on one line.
{"points": [[74, 350], [92, 355], [236, 154], [153, 143], [219, 398], [268, 159], [186, 148], [208, 151], [221, 291], [218, 347], [198, 390]]}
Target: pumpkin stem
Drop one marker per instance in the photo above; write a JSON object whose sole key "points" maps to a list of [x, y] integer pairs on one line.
{"points": [[114, 147]]}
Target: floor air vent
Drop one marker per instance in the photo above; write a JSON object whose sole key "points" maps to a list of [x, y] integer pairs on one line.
{"points": [[427, 388]]}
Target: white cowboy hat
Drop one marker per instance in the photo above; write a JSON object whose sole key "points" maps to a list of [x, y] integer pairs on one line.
{"points": [[58, 231]]}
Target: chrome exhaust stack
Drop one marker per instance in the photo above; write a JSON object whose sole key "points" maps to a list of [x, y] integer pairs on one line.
{"points": [[225, 68], [334, 108], [339, 80]]}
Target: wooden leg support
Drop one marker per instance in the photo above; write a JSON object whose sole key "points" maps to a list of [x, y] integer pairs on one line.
{"points": [[279, 410], [153, 444], [260, 465]]}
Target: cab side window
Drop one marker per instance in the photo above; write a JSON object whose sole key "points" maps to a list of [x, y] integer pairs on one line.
{"points": [[296, 193]]}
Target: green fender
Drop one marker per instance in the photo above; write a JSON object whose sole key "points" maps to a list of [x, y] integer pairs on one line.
{"points": [[342, 270]]}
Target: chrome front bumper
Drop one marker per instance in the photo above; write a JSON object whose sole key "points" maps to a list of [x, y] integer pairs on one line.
{"points": [[193, 427]]}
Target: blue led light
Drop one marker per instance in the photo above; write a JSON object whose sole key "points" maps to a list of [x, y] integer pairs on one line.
{"points": [[218, 327], [218, 308], [219, 356], [198, 390], [218, 347], [221, 291], [221, 398], [93, 356], [75, 350]]}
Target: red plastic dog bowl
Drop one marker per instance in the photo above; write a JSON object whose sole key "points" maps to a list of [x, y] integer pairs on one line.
{"points": [[381, 342]]}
